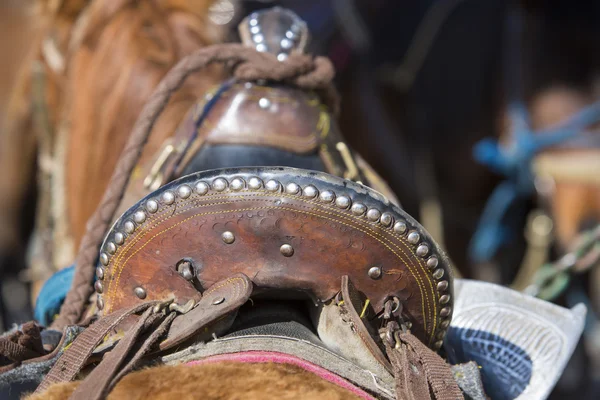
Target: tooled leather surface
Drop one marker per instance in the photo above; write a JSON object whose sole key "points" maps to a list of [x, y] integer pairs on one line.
{"points": [[328, 243]]}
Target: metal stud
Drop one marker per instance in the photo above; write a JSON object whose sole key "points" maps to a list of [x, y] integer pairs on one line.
{"points": [[445, 324], [438, 273], [218, 300], [254, 30], [442, 286], [168, 198], [422, 250], [152, 206], [219, 184], [286, 44], [386, 219], [100, 273], [343, 202], [264, 103], [104, 259], [413, 237], [358, 209], [99, 287], [310, 191], [201, 188], [139, 216], [228, 237], [326, 196], [140, 292], [111, 248], [444, 299], [373, 214], [440, 335], [444, 312], [287, 250], [184, 191], [375, 272], [432, 262], [255, 183], [400, 227], [99, 303], [272, 185], [119, 238], [282, 57], [261, 47], [129, 227], [292, 188], [237, 184], [438, 344]]}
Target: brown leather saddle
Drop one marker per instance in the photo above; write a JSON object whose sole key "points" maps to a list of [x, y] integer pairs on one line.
{"points": [[292, 232], [207, 253], [239, 249]]}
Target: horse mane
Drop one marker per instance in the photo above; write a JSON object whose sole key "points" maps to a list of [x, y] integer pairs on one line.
{"points": [[117, 56]]}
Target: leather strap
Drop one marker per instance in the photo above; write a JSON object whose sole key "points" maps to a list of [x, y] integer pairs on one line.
{"points": [[97, 384], [15, 352], [22, 344], [353, 299], [420, 372], [146, 346], [220, 299], [411, 381], [76, 356]]}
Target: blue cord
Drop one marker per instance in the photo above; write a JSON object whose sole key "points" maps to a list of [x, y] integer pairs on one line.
{"points": [[514, 162], [52, 295]]}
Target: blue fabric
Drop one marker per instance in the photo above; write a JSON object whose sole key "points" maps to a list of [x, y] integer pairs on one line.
{"points": [[506, 368], [52, 295], [514, 162]]}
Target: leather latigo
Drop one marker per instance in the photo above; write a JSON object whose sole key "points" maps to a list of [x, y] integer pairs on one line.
{"points": [[216, 220]]}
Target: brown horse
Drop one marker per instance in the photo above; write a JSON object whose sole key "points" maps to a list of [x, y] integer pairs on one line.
{"points": [[95, 64]]}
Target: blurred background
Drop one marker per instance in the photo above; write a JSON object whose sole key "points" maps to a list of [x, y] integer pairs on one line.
{"points": [[481, 116]]}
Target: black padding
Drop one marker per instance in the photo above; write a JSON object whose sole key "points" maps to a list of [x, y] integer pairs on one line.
{"points": [[232, 156]]}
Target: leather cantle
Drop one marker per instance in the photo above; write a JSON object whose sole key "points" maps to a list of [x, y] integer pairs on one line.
{"points": [[287, 229]]}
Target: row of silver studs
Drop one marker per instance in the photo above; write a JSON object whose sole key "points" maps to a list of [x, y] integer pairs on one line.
{"points": [[385, 219]]}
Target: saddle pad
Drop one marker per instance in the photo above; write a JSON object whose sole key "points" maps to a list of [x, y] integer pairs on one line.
{"points": [[521, 343]]}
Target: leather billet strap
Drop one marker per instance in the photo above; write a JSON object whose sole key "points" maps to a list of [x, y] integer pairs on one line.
{"points": [[291, 230], [76, 356], [221, 299]]}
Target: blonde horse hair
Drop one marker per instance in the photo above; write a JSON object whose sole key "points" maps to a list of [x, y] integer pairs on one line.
{"points": [[222, 380]]}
